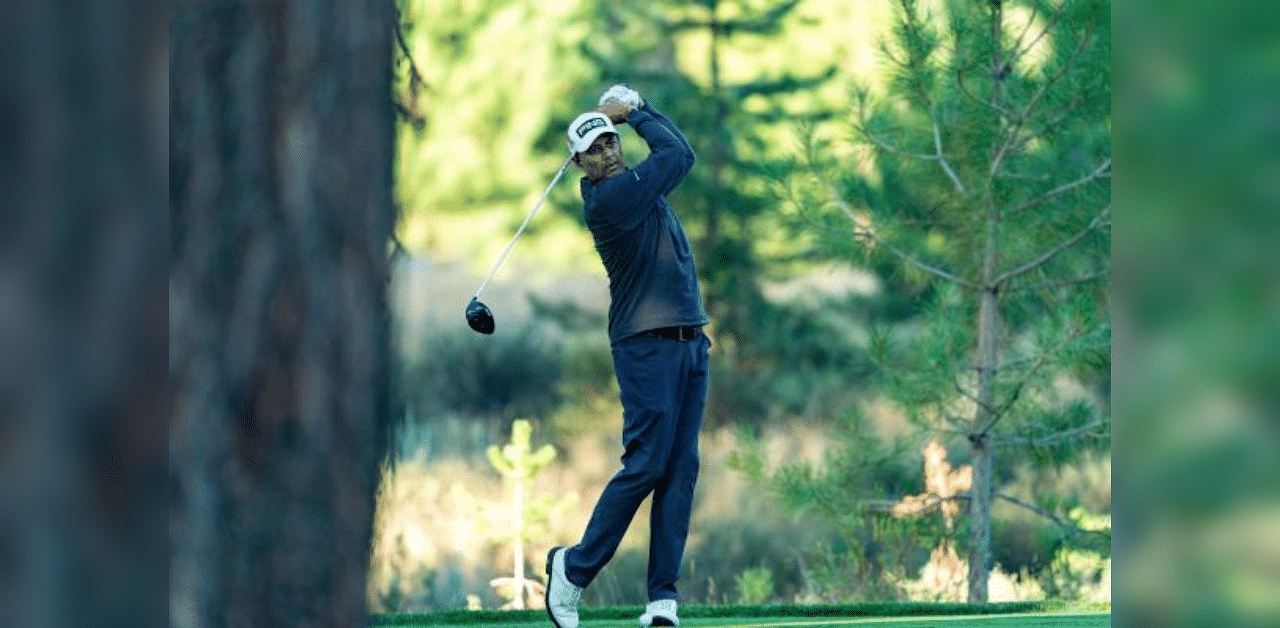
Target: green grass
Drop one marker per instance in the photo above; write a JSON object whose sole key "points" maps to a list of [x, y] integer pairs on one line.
{"points": [[897, 615]]}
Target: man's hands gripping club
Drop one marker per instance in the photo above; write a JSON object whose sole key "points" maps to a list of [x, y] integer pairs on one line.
{"points": [[617, 103]]}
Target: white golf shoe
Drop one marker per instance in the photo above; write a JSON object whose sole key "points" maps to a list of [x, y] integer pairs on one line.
{"points": [[660, 613], [562, 596]]}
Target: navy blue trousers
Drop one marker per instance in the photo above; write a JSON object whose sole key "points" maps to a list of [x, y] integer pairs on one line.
{"points": [[663, 386]]}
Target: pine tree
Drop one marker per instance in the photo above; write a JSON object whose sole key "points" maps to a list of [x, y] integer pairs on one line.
{"points": [[986, 185], [522, 518]]}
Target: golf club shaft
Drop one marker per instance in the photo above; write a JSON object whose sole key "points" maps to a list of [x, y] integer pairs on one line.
{"points": [[519, 231]]}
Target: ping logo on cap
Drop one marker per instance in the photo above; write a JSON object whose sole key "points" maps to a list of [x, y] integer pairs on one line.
{"points": [[586, 126]]}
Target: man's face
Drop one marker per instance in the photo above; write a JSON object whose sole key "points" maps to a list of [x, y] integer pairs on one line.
{"points": [[602, 159]]}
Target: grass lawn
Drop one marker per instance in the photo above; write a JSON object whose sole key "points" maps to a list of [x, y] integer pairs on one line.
{"points": [[1027, 620], [1024, 620], [854, 616]]}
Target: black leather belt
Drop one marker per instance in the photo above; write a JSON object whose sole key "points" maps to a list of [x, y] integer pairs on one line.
{"points": [[673, 333]]}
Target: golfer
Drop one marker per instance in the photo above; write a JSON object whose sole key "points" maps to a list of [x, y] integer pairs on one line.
{"points": [[659, 351]]}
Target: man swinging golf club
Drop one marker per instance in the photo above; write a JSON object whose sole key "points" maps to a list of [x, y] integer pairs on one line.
{"points": [[659, 351]]}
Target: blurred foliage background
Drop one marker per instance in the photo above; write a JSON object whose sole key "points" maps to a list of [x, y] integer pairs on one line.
{"points": [[809, 441], [1197, 377]]}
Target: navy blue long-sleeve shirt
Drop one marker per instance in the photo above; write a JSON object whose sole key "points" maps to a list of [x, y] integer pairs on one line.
{"points": [[653, 281]]}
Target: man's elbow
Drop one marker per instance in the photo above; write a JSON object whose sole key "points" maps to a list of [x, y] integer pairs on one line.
{"points": [[685, 165]]}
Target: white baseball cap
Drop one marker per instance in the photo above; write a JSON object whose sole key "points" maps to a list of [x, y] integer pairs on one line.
{"points": [[586, 128]]}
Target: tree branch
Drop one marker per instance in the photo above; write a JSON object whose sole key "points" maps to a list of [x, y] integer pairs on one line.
{"points": [[996, 415], [1066, 112], [860, 232], [1026, 28], [1102, 172], [1064, 245], [937, 156], [1024, 177], [971, 397], [415, 76], [1009, 365], [931, 501], [1040, 361], [958, 425], [942, 160], [965, 89], [861, 128], [1019, 50], [413, 117], [1035, 98], [886, 506], [1051, 439], [1067, 526], [1094, 276]]}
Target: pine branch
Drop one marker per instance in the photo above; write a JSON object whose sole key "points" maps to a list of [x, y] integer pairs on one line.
{"points": [[787, 83], [1020, 51], [1026, 28], [971, 96], [883, 145], [1014, 132], [1051, 439], [959, 425], [1067, 112], [1051, 253], [1094, 276], [769, 22], [942, 160], [1102, 172], [884, 506], [1010, 365], [936, 156], [413, 117], [1068, 527], [867, 234], [1041, 360], [1023, 177], [879, 506], [971, 397], [678, 26], [415, 77], [914, 30], [766, 23]]}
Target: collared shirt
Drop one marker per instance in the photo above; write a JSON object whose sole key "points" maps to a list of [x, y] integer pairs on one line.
{"points": [[653, 281]]}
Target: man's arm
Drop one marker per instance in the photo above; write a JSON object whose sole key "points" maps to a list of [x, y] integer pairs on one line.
{"points": [[633, 194], [674, 155]]}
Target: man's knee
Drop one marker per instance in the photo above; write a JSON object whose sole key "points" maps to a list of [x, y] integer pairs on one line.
{"points": [[686, 464], [644, 470]]}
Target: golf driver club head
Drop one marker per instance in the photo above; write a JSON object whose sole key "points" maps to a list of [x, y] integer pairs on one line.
{"points": [[479, 317]]}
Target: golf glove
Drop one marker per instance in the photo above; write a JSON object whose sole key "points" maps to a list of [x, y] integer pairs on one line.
{"points": [[622, 94]]}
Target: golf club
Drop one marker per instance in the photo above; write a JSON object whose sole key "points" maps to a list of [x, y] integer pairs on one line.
{"points": [[479, 316]]}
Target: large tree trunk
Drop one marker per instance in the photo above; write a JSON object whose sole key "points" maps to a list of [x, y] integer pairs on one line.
{"points": [[82, 312], [281, 208]]}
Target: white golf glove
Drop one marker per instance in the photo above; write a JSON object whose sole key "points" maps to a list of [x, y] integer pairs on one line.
{"points": [[622, 94]]}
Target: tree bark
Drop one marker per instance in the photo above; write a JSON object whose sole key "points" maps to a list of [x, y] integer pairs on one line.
{"points": [[82, 458], [281, 210], [980, 441], [986, 364]]}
